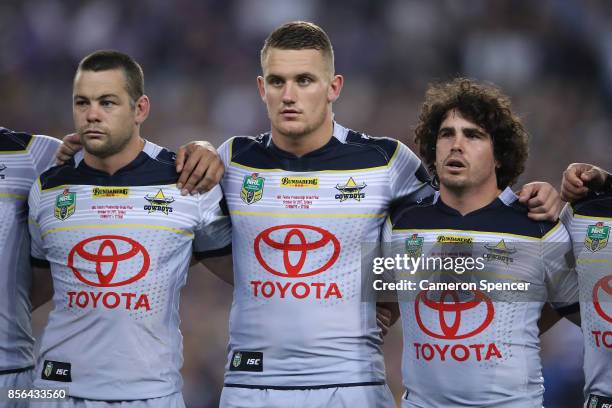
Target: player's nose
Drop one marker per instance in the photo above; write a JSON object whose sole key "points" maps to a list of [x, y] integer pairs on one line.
{"points": [[93, 113], [289, 93], [458, 142]]}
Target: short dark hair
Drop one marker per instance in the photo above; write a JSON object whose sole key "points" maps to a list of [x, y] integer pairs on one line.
{"points": [[486, 106], [299, 35], [105, 60]]}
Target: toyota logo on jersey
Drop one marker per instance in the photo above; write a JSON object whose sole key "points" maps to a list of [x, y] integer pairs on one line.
{"points": [[602, 302], [296, 251], [450, 304], [108, 261], [296, 243], [603, 289], [449, 318], [101, 253]]}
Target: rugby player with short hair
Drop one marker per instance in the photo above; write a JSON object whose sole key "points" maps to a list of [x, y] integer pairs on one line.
{"points": [[473, 348], [116, 234], [588, 218], [22, 158]]}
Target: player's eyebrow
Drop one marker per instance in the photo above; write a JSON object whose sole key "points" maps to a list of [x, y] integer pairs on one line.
{"points": [[446, 129], [474, 131], [270, 77], [104, 96]]}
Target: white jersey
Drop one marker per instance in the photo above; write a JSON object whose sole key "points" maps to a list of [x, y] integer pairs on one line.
{"points": [[298, 319], [22, 158], [119, 248], [589, 223], [471, 346]]}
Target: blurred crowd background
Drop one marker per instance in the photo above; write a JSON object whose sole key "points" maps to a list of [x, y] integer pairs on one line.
{"points": [[201, 58]]}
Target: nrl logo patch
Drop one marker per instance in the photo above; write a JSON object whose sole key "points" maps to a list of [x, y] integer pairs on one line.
{"points": [[414, 245], [159, 202], [499, 252], [252, 188], [596, 237], [237, 359], [350, 190], [65, 205]]}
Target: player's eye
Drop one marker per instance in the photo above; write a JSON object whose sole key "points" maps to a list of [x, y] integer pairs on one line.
{"points": [[304, 81], [80, 103], [445, 133], [474, 134], [275, 81], [107, 104]]}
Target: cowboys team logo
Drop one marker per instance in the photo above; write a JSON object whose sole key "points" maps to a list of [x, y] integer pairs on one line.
{"points": [[350, 190], [499, 252], [159, 202], [414, 246], [596, 237], [252, 188], [237, 359], [65, 204], [593, 403], [48, 369]]}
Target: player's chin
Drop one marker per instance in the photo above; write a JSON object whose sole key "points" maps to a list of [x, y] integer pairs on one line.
{"points": [[453, 180], [96, 147], [292, 128]]}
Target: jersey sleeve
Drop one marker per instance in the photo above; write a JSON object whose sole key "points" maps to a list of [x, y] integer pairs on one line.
{"points": [[408, 176], [43, 152], [567, 216], [561, 276], [225, 151], [389, 249], [213, 235], [36, 247]]}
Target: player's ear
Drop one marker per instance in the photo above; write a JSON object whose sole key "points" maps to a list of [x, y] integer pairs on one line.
{"points": [[335, 87], [142, 108], [261, 87]]}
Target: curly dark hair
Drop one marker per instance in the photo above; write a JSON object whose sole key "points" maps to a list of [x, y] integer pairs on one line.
{"points": [[486, 106]]}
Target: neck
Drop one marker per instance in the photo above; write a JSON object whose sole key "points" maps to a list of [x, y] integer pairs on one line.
{"points": [[470, 199], [304, 144], [113, 163]]}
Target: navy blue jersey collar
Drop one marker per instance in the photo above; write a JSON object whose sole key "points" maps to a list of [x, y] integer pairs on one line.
{"points": [[134, 164], [506, 197], [333, 142]]}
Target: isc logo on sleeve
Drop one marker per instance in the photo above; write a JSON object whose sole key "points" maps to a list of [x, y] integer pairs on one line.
{"points": [[56, 371], [247, 361]]}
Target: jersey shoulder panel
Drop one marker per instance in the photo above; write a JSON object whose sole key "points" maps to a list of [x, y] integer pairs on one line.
{"points": [[594, 206], [498, 217], [146, 169], [384, 147], [403, 210], [349, 151], [531, 228], [249, 150], [11, 141]]}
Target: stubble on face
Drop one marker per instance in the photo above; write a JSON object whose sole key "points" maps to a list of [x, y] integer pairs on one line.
{"points": [[302, 110], [107, 131], [467, 163]]}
